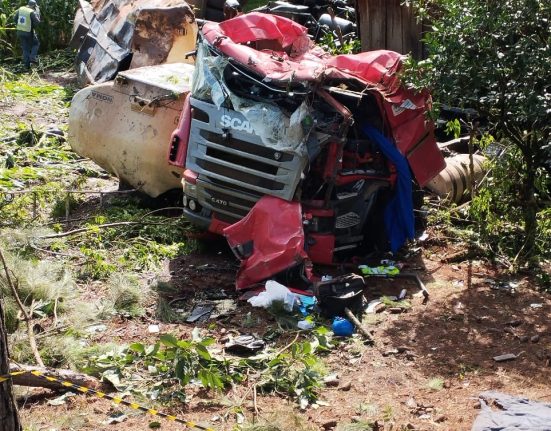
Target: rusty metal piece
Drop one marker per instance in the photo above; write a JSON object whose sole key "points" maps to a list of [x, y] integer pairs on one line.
{"points": [[163, 35], [115, 35]]}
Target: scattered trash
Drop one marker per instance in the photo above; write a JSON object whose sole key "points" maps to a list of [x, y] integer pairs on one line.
{"points": [[424, 236], [408, 276], [115, 418], [375, 306], [274, 292], [506, 357], [244, 345], [513, 413], [306, 325], [342, 327], [336, 294], [402, 294], [200, 311], [379, 270], [153, 329], [96, 328], [536, 305], [61, 399], [505, 286], [306, 304]]}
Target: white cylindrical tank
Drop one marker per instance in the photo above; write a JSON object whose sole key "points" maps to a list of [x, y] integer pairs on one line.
{"points": [[454, 181], [125, 125]]}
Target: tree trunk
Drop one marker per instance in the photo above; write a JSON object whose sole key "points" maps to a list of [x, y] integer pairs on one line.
{"points": [[69, 375], [9, 417], [530, 209]]}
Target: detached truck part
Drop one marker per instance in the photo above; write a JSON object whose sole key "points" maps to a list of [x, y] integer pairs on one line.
{"points": [[125, 125]]}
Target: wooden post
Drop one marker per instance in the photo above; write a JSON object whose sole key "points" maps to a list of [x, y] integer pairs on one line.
{"points": [[387, 24], [9, 417]]}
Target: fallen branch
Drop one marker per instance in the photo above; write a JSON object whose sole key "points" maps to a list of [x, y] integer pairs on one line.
{"points": [[98, 226], [31, 380], [358, 324], [26, 316], [86, 229]]}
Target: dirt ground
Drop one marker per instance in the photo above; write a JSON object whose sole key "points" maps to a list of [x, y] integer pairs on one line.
{"points": [[424, 372], [451, 340]]}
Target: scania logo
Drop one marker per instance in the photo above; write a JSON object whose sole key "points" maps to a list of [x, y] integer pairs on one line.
{"points": [[236, 124], [219, 201]]}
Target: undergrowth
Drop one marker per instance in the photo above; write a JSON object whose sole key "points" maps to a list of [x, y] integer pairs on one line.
{"points": [[163, 370]]}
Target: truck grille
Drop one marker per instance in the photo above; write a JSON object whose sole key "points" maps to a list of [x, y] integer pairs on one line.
{"points": [[235, 168]]}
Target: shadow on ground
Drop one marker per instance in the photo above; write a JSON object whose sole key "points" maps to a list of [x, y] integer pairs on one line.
{"points": [[462, 333]]}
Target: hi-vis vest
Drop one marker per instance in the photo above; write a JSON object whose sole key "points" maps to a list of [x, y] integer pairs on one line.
{"points": [[24, 19]]}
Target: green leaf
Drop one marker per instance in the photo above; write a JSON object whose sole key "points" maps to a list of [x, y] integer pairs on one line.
{"points": [[137, 347], [183, 344], [203, 352], [152, 350], [203, 376], [169, 340], [180, 370], [207, 341], [274, 362]]}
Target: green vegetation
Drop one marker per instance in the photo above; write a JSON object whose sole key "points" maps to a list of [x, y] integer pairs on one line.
{"points": [[253, 4], [494, 57], [54, 31], [163, 369], [58, 234], [331, 44]]}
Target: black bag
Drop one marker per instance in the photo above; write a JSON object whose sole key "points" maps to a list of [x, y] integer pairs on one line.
{"points": [[340, 292]]}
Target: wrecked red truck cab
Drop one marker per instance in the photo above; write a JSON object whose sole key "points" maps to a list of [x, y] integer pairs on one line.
{"points": [[338, 137]]}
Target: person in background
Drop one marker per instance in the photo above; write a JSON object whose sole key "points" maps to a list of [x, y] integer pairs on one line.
{"points": [[26, 19]]}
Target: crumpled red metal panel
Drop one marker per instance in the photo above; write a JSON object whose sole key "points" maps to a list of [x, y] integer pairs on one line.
{"points": [[294, 59], [405, 110], [274, 226], [258, 26], [283, 50]]}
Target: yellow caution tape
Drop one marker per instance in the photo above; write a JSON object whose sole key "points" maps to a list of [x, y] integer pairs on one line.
{"points": [[99, 394]]}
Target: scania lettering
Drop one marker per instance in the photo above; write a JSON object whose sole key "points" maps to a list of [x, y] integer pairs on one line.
{"points": [[236, 124]]}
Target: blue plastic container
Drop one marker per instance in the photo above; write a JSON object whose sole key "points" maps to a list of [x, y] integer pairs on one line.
{"points": [[342, 327]]}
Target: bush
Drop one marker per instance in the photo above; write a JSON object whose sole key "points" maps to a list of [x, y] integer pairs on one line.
{"points": [[494, 57]]}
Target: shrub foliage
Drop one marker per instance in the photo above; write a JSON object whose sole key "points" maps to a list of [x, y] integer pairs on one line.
{"points": [[496, 57]]}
